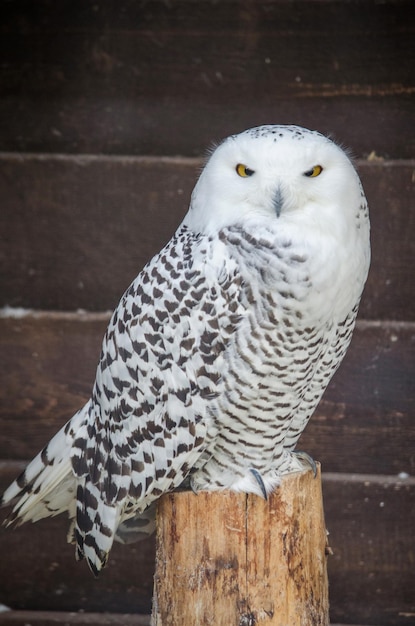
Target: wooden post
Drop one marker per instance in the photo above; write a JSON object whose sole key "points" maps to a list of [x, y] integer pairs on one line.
{"points": [[232, 559]]}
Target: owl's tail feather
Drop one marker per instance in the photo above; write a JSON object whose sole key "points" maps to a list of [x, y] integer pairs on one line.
{"points": [[97, 525], [47, 486], [94, 526]]}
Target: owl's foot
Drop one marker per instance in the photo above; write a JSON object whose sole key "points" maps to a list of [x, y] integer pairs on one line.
{"points": [[307, 460]]}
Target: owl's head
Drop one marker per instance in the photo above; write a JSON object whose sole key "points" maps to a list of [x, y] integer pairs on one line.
{"points": [[285, 175]]}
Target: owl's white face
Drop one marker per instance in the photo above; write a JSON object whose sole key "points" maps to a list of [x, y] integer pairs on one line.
{"points": [[284, 174]]}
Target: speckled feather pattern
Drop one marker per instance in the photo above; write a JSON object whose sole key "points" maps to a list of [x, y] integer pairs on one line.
{"points": [[220, 350]]}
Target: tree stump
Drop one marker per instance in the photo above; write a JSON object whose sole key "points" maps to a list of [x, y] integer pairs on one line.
{"points": [[233, 559]]}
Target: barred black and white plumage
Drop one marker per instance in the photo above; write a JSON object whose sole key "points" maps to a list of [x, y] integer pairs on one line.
{"points": [[221, 348]]}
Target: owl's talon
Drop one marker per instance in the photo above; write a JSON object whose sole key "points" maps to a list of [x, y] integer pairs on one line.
{"points": [[304, 456], [260, 482]]}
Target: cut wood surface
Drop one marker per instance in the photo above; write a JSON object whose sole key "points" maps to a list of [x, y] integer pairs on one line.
{"points": [[364, 422], [87, 225], [168, 78], [228, 558]]}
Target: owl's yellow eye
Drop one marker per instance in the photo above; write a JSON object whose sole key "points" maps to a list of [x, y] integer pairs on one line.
{"points": [[243, 171], [315, 171]]}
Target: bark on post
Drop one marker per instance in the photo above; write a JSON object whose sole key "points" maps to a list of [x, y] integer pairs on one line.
{"points": [[236, 560]]}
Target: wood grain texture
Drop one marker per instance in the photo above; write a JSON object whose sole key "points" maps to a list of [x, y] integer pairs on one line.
{"points": [[90, 77], [85, 226], [363, 424], [228, 558]]}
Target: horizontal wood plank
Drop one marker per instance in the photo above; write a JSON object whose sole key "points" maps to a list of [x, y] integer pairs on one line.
{"points": [[87, 225], [48, 618], [183, 126], [390, 188], [167, 78], [363, 424], [370, 520], [107, 39]]}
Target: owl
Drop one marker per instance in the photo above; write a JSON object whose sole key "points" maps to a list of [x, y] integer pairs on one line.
{"points": [[220, 350]]}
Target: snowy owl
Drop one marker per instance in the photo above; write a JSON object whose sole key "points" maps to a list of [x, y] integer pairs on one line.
{"points": [[220, 350]]}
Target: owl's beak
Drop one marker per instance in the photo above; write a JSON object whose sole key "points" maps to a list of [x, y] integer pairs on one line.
{"points": [[278, 201]]}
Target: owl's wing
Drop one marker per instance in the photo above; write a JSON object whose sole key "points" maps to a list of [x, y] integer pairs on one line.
{"points": [[148, 419], [159, 371]]}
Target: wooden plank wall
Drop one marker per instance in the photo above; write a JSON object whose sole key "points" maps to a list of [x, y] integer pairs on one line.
{"points": [[106, 109]]}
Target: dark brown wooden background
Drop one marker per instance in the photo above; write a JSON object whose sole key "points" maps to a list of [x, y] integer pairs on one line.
{"points": [[106, 109]]}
